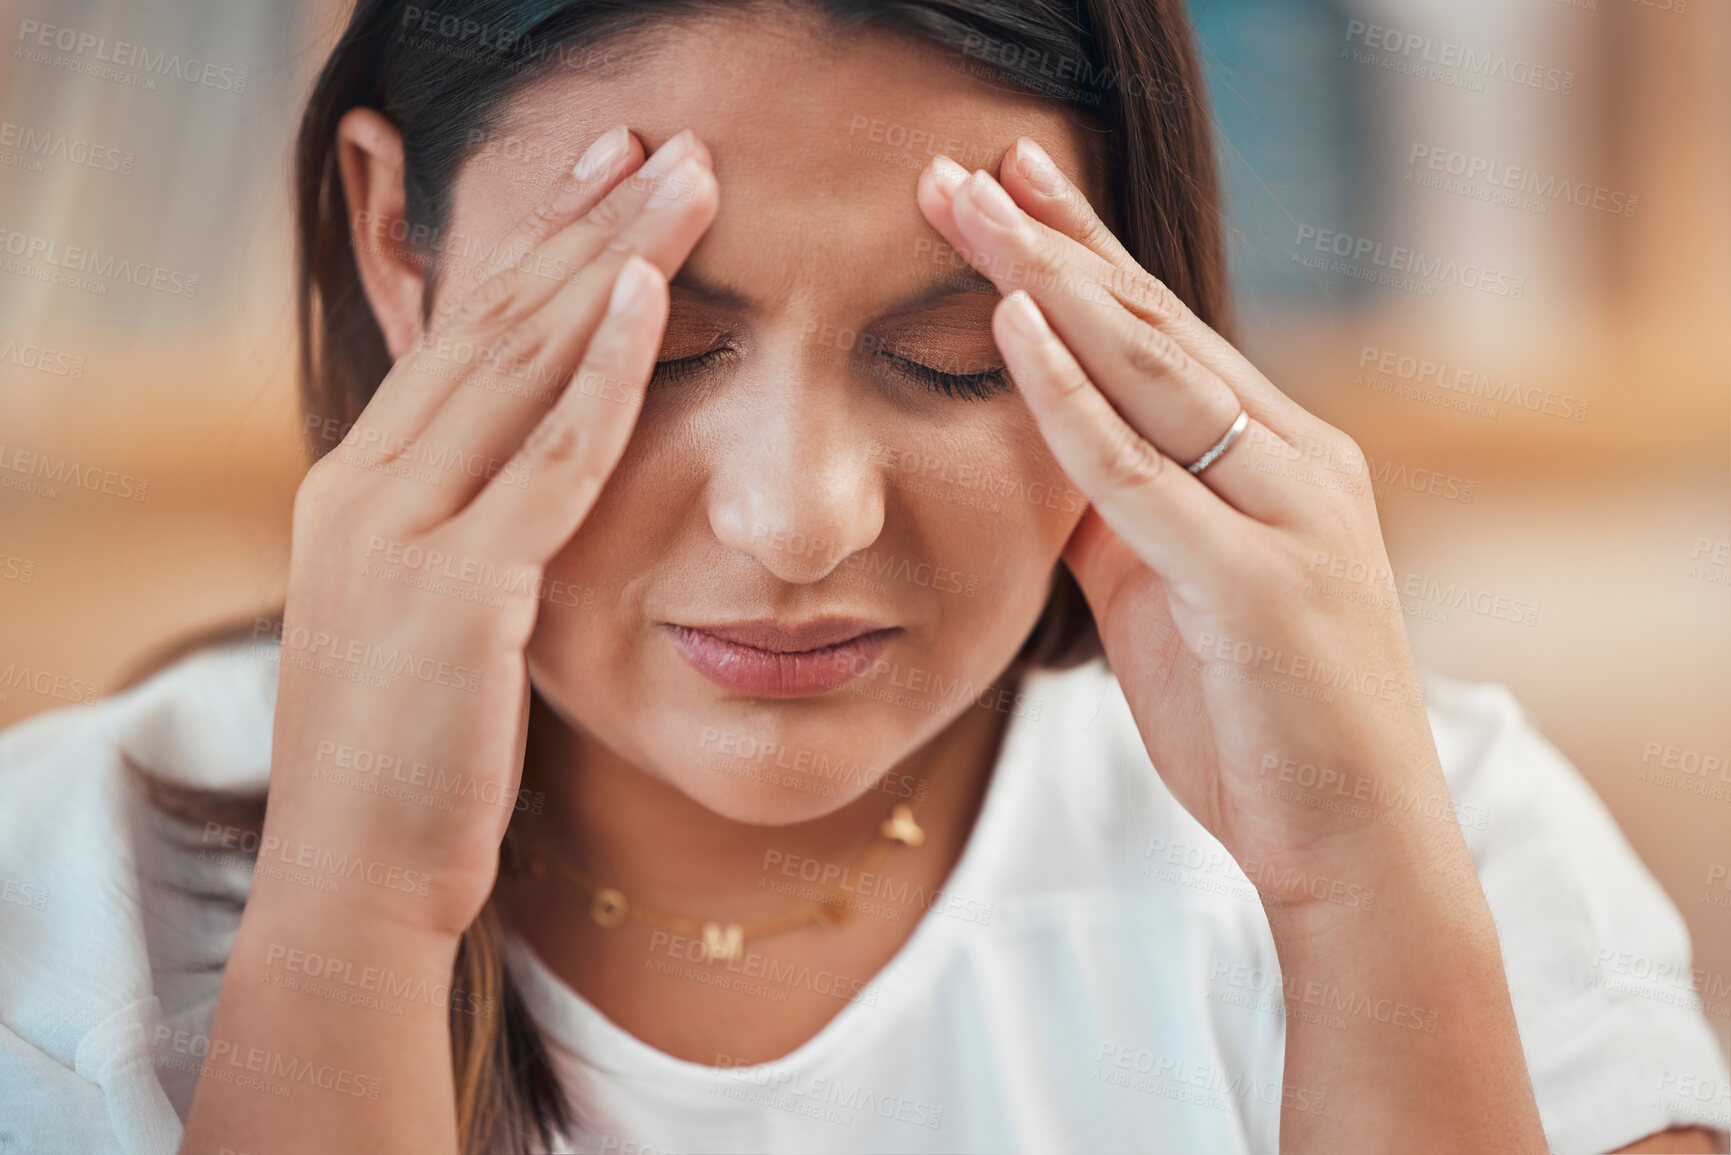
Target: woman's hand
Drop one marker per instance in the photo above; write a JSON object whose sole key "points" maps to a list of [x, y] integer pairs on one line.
{"points": [[421, 540], [1241, 660], [1249, 613], [414, 583]]}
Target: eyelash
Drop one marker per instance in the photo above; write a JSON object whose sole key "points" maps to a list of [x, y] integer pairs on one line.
{"points": [[962, 386], [959, 386]]}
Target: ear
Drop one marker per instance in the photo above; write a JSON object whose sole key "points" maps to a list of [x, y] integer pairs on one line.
{"points": [[370, 159]]}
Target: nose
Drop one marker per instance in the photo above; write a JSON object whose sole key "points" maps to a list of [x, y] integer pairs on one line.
{"points": [[795, 485]]}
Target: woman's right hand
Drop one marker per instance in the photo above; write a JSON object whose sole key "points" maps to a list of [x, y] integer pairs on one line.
{"points": [[421, 540]]}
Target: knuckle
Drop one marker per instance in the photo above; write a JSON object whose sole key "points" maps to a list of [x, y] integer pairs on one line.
{"points": [[557, 441], [317, 498], [512, 345], [1151, 353], [1157, 303], [542, 222], [607, 215], [1128, 461], [1090, 229], [492, 300]]}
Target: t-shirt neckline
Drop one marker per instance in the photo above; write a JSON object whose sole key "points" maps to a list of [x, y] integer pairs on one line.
{"points": [[580, 1028]]}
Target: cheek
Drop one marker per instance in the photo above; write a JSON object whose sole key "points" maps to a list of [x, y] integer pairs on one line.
{"points": [[980, 494]]}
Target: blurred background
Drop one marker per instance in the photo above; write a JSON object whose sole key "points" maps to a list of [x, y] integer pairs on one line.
{"points": [[1491, 239]]}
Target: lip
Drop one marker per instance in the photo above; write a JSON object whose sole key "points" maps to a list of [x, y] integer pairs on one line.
{"points": [[770, 659]]}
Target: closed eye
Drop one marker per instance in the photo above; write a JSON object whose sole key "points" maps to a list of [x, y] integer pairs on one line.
{"points": [[980, 386], [681, 368], [963, 386]]}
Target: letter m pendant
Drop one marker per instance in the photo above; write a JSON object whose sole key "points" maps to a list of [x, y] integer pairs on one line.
{"points": [[724, 943]]}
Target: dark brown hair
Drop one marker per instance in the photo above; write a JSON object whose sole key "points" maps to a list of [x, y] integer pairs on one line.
{"points": [[1126, 68]]}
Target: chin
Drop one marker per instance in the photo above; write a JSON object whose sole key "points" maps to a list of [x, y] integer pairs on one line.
{"points": [[750, 794]]}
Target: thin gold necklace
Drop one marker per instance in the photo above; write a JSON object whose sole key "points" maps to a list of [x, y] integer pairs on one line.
{"points": [[609, 907]]}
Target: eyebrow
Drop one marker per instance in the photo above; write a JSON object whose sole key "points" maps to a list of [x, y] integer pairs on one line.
{"points": [[962, 283]]}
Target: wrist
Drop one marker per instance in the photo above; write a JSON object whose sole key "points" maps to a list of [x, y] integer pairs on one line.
{"points": [[278, 915], [1419, 880]]}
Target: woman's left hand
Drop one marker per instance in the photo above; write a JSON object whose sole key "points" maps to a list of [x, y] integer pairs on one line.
{"points": [[1248, 611], [1250, 615]]}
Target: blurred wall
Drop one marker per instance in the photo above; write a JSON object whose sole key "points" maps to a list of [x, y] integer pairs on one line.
{"points": [[1542, 390]]}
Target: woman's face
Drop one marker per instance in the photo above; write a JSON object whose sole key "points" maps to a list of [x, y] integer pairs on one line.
{"points": [[836, 522]]}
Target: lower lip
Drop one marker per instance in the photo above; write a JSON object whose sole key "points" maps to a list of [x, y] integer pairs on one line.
{"points": [[759, 673]]}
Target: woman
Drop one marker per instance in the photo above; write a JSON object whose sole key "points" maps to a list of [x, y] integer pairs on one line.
{"points": [[681, 728]]}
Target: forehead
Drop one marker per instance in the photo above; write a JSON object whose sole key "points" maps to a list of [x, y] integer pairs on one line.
{"points": [[818, 136]]}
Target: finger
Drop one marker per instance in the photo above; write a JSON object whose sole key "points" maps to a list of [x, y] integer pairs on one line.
{"points": [[404, 401], [474, 345], [487, 419], [575, 446], [1167, 396], [1036, 183], [534, 276], [1168, 517]]}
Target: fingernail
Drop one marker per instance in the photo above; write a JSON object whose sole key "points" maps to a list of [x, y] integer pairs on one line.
{"points": [[668, 156], [1024, 317], [1037, 168], [608, 150], [948, 174], [991, 199], [630, 287]]}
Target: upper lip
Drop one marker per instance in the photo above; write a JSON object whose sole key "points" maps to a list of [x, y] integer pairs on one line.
{"points": [[781, 638]]}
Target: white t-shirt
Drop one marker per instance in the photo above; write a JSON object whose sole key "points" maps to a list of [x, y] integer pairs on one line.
{"points": [[1096, 975]]}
